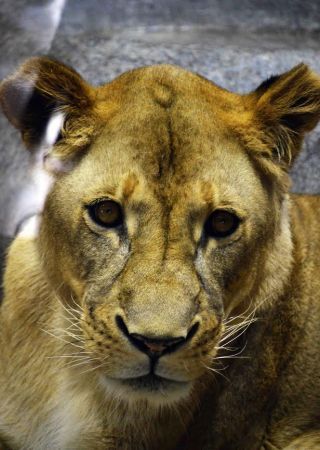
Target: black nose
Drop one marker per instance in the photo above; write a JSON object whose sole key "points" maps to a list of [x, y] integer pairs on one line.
{"points": [[152, 346], [155, 347]]}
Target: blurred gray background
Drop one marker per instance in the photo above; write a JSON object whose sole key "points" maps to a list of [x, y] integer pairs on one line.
{"points": [[234, 43]]}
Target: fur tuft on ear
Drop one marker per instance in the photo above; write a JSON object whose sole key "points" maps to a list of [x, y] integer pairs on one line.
{"points": [[286, 107], [40, 88]]}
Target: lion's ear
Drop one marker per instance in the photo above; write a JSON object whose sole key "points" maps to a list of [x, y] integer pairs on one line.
{"points": [[286, 107], [38, 90]]}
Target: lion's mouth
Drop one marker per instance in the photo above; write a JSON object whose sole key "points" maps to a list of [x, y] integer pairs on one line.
{"points": [[152, 383]]}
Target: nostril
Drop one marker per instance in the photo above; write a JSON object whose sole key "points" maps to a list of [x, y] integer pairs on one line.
{"points": [[135, 339], [122, 326], [193, 330]]}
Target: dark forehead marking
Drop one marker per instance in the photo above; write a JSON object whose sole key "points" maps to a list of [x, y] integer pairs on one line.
{"points": [[166, 171], [163, 93], [166, 228], [166, 154], [160, 126]]}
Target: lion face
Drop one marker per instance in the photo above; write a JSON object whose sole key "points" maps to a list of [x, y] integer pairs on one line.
{"points": [[153, 284], [164, 224]]}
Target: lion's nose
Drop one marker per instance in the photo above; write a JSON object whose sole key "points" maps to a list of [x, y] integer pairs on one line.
{"points": [[155, 346]]}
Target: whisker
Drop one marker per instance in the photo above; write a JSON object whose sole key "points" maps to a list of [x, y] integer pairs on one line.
{"points": [[237, 336], [77, 305], [232, 357], [74, 338], [69, 310], [93, 368], [211, 369], [239, 327], [68, 356], [70, 333], [223, 347], [78, 364], [60, 338], [74, 327]]}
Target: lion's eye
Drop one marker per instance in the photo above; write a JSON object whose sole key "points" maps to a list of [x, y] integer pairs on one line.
{"points": [[106, 213], [221, 223]]}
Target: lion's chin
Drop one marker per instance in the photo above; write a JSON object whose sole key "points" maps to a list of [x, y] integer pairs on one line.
{"points": [[153, 389]]}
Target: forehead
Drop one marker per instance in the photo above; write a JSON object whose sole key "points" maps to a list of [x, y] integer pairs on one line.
{"points": [[173, 129]]}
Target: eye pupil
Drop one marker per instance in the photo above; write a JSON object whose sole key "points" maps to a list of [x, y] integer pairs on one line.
{"points": [[106, 213], [221, 224]]}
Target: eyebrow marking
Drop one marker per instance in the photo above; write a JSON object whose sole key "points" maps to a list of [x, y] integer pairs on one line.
{"points": [[129, 185], [207, 192]]}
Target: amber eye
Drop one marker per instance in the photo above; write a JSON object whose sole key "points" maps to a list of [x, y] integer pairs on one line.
{"points": [[221, 223], [106, 213]]}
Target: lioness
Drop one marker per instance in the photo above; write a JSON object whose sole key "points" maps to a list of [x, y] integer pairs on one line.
{"points": [[171, 299]]}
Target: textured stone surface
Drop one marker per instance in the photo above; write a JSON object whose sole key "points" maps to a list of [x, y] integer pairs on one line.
{"points": [[97, 15], [235, 44]]}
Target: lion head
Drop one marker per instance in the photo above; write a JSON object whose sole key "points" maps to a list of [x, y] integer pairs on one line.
{"points": [[169, 210]]}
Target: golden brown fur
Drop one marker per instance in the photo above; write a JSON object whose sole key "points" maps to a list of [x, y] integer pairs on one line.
{"points": [[170, 147]]}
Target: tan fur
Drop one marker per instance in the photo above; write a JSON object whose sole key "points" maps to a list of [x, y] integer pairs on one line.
{"points": [[170, 147]]}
